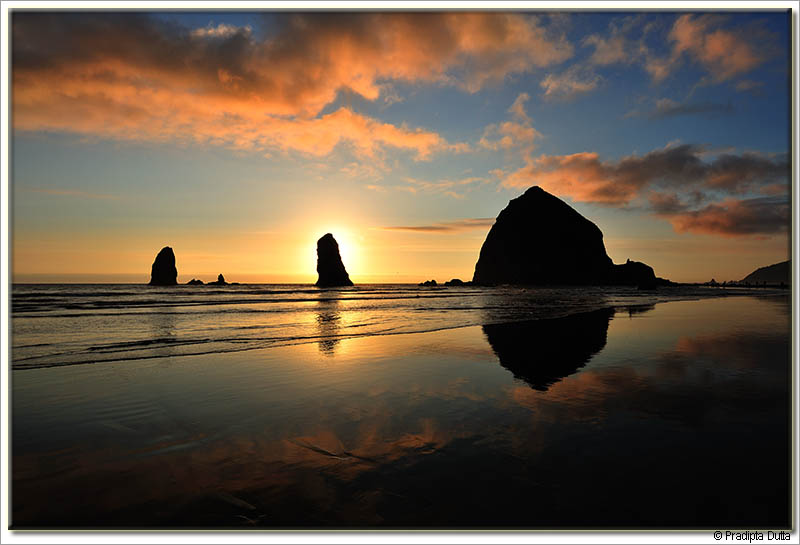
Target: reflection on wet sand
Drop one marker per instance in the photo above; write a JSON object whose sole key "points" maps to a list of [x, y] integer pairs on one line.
{"points": [[542, 352], [694, 433], [328, 323]]}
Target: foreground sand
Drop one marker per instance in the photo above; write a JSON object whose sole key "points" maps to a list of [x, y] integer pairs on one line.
{"points": [[676, 409]]}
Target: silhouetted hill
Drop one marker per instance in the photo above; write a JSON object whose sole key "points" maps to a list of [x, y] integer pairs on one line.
{"points": [[772, 274], [540, 239], [329, 264]]}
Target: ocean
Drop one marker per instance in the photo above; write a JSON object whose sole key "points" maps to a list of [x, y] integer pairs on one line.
{"points": [[399, 406]]}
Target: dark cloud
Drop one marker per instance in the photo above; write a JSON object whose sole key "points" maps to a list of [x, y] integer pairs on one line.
{"points": [[667, 108], [732, 217], [695, 189]]}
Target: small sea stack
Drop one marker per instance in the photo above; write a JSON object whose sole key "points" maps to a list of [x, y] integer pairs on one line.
{"points": [[219, 282], [329, 264], [163, 271]]}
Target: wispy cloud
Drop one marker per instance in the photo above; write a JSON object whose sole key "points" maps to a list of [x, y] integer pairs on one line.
{"points": [[517, 134], [222, 30], [446, 227], [451, 188], [74, 193], [573, 82], [750, 86], [666, 108]]}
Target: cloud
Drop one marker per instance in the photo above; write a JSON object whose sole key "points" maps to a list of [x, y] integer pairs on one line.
{"points": [[585, 177], [222, 30], [74, 193], [735, 217], [129, 76], [749, 86], [698, 191], [517, 134], [518, 107], [617, 47], [450, 188], [575, 81], [446, 227], [507, 135], [724, 53], [666, 108]]}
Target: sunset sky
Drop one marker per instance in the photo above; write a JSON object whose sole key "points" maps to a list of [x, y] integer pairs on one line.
{"points": [[239, 139]]}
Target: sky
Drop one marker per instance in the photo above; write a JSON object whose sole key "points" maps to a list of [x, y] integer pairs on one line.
{"points": [[240, 138]]}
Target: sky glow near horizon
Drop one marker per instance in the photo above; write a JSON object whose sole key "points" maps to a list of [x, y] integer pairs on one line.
{"points": [[238, 139]]}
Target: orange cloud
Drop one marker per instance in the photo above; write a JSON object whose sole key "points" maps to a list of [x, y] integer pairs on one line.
{"points": [[734, 217], [724, 53], [517, 134], [128, 76]]}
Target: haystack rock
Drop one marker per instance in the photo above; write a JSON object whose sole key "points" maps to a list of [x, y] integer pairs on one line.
{"points": [[163, 272], [538, 239], [329, 264]]}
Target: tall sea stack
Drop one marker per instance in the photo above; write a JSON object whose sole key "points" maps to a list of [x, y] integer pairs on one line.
{"points": [[163, 272], [538, 239], [329, 264]]}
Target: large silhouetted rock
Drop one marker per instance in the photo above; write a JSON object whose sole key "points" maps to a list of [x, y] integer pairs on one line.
{"points": [[163, 271], [329, 264], [538, 239]]}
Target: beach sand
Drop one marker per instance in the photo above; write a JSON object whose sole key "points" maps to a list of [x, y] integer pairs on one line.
{"points": [[676, 415]]}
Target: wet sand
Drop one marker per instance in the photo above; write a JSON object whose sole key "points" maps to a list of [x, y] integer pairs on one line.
{"points": [[669, 416]]}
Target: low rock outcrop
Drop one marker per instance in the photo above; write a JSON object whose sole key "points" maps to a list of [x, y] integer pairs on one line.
{"points": [[163, 272], [194, 282], [538, 239], [428, 283], [330, 268], [219, 282]]}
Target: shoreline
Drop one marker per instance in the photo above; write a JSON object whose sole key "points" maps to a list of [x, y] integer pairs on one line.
{"points": [[314, 339]]}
